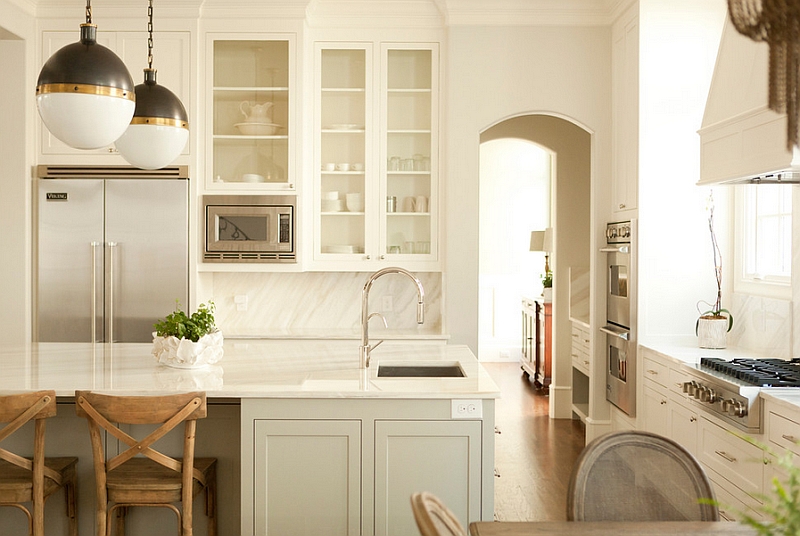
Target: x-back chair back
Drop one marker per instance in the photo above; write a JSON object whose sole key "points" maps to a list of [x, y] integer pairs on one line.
{"points": [[140, 475], [24, 480]]}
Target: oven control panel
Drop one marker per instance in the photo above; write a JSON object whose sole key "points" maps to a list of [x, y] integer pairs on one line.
{"points": [[618, 232]]}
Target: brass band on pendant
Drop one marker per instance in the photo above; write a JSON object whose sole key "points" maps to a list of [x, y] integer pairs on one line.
{"points": [[86, 89], [160, 121]]}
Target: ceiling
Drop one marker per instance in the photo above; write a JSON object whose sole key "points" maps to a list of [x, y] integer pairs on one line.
{"points": [[350, 12]]}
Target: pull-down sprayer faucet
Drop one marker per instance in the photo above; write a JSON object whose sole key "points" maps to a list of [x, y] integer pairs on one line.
{"points": [[365, 349]]}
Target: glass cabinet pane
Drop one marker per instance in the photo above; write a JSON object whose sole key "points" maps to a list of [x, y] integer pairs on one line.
{"points": [[409, 102], [251, 111], [343, 131]]}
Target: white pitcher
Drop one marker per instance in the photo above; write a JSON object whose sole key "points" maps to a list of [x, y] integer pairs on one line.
{"points": [[257, 112]]}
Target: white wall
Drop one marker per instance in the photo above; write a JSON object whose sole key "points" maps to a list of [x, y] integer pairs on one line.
{"points": [[16, 97], [495, 73], [678, 48]]}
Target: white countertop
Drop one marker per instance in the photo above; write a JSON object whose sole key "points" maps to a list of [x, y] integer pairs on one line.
{"points": [[249, 369], [685, 349]]}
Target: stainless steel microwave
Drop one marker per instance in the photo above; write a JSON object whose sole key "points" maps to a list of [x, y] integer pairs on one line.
{"points": [[243, 228]]}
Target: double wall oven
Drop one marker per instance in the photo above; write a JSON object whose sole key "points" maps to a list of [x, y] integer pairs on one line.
{"points": [[619, 328]]}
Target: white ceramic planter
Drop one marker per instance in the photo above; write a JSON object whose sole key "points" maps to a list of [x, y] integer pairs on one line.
{"points": [[712, 332], [547, 293], [183, 353]]}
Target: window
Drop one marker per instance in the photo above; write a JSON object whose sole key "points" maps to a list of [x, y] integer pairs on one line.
{"points": [[765, 213]]}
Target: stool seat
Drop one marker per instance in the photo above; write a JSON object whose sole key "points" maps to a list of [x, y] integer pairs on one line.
{"points": [[141, 480]]}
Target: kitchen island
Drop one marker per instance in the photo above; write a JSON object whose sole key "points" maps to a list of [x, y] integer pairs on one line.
{"points": [[308, 443]]}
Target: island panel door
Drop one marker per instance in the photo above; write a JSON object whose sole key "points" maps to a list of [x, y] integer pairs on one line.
{"points": [[307, 477], [442, 457]]}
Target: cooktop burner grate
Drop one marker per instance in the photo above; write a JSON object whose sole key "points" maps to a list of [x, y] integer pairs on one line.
{"points": [[760, 372]]}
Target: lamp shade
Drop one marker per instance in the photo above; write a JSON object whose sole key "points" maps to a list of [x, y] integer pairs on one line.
{"points": [[159, 128], [84, 93], [542, 240]]}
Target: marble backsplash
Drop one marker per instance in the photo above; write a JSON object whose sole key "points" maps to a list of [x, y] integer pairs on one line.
{"points": [[762, 324], [324, 304]]}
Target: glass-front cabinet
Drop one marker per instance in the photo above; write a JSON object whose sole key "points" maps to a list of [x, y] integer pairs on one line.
{"points": [[249, 113], [376, 155]]}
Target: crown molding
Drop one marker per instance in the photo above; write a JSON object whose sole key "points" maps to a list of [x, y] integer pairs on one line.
{"points": [[358, 13]]}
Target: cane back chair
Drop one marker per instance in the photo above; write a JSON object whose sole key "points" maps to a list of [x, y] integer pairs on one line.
{"points": [[24, 480], [639, 476], [141, 475]]}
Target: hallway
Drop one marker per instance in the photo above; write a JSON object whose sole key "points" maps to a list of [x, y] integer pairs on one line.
{"points": [[534, 455]]}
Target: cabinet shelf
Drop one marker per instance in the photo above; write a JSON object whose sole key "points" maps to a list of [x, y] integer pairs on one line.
{"points": [[343, 90], [244, 137], [410, 90], [409, 131], [407, 214], [239, 89], [343, 130], [343, 213]]}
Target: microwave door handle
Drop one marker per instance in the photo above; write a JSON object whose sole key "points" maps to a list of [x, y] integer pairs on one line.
{"points": [[619, 249], [621, 334]]}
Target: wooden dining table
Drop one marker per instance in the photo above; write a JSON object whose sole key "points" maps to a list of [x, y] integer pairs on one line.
{"points": [[608, 528]]}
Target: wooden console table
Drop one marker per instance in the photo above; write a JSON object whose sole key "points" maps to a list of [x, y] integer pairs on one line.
{"points": [[537, 340]]}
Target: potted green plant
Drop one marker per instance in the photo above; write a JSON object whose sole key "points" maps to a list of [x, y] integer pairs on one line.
{"points": [[188, 341], [713, 325], [547, 283]]}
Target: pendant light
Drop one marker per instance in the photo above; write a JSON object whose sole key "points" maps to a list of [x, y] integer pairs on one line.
{"points": [[160, 127], [85, 93]]}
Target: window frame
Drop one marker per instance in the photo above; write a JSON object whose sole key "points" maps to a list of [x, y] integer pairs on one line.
{"points": [[770, 286]]}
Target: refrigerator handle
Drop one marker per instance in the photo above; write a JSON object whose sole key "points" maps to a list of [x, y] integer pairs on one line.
{"points": [[94, 290], [110, 268]]}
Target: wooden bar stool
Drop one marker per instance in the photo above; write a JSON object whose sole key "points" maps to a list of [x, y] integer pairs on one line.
{"points": [[24, 480], [142, 476]]}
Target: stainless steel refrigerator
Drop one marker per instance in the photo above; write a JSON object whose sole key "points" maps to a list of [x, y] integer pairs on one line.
{"points": [[112, 256]]}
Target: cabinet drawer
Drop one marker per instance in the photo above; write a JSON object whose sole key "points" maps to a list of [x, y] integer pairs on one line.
{"points": [[784, 432], [656, 371], [580, 360], [733, 458], [676, 379], [580, 336]]}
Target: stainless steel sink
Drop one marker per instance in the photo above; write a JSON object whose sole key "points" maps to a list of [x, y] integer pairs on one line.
{"points": [[420, 371]]}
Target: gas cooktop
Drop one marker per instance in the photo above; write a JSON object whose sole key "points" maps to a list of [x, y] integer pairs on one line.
{"points": [[759, 372]]}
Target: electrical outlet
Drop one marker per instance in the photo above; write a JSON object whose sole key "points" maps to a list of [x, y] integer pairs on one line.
{"points": [[466, 409], [387, 304], [241, 302], [505, 354]]}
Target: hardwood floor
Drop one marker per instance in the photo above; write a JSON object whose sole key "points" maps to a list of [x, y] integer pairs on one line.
{"points": [[534, 454]]}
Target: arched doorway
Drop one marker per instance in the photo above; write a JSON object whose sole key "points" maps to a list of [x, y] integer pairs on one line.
{"points": [[570, 145]]}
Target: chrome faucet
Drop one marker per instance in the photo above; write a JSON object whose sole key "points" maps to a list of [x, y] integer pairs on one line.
{"points": [[366, 349]]}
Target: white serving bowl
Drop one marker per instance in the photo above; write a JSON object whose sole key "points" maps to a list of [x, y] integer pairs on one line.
{"points": [[257, 129]]}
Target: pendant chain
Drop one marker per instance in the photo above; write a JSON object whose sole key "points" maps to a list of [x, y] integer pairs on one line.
{"points": [[88, 11], [150, 35]]}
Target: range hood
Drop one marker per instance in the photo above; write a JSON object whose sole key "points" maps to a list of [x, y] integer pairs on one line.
{"points": [[741, 140]]}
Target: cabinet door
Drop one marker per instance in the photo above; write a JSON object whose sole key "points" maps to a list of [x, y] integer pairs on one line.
{"points": [[435, 456], [345, 197], [409, 145], [249, 112], [625, 112], [656, 411], [684, 426], [307, 477], [52, 41]]}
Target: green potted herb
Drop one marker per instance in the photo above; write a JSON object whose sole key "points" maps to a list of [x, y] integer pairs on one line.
{"points": [[547, 283], [188, 341]]}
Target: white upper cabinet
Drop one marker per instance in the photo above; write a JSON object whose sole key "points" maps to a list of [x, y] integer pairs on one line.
{"points": [[171, 59], [376, 117], [249, 112]]}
